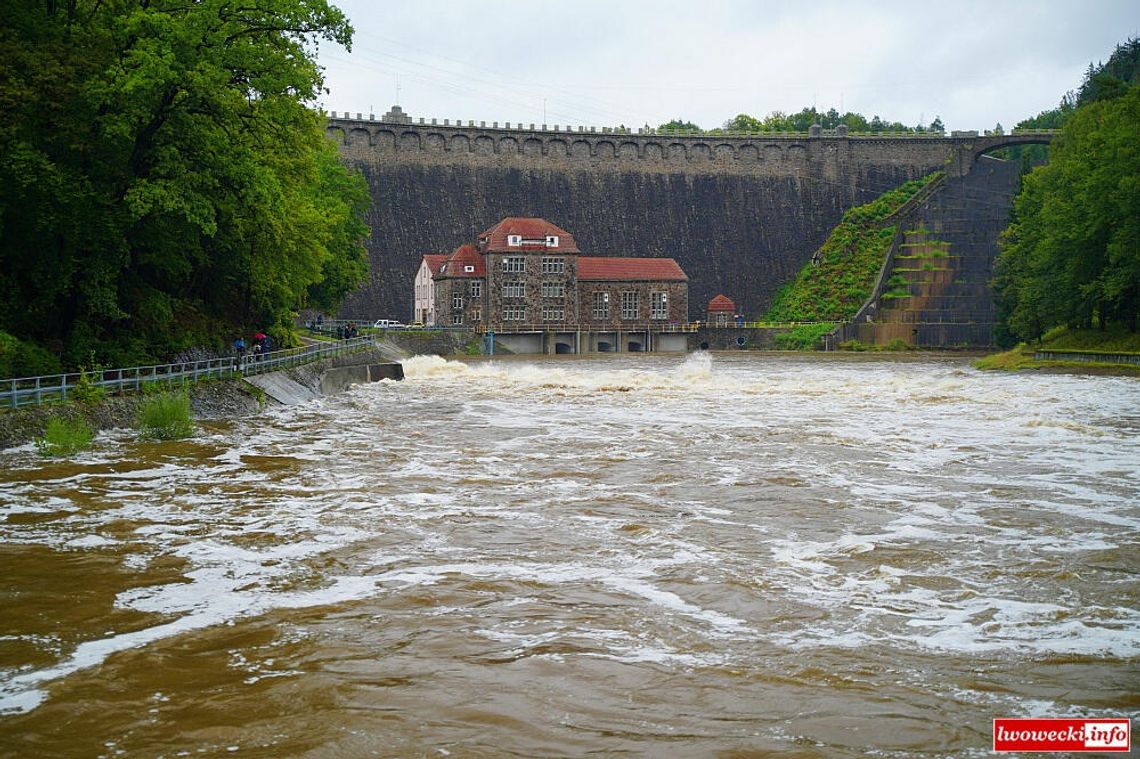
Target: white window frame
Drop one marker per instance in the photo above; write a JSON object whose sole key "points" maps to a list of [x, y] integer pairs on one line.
{"points": [[515, 241], [514, 264], [552, 241], [553, 265], [514, 313], [630, 305], [601, 306], [514, 289], [457, 300], [658, 306], [477, 289], [554, 289]]}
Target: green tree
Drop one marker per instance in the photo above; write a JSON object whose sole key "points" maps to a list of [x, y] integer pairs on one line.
{"points": [[164, 179], [1109, 80], [744, 123], [680, 126], [1072, 254]]}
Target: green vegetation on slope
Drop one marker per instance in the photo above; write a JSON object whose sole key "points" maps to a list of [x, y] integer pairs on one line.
{"points": [[1117, 339], [849, 261], [1071, 256], [164, 179]]}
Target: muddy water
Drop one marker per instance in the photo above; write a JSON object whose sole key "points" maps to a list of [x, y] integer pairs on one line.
{"points": [[653, 556]]}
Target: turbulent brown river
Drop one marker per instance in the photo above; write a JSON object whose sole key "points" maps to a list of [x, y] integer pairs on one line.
{"points": [[728, 556]]}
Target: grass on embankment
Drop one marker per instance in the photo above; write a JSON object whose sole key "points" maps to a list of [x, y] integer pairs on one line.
{"points": [[1021, 358], [833, 289]]}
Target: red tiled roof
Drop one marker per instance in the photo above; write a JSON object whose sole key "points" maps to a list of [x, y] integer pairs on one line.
{"points": [[721, 303], [530, 230], [434, 261], [464, 256], [630, 269]]}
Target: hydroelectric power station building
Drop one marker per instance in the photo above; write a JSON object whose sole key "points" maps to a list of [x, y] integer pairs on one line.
{"points": [[525, 280]]}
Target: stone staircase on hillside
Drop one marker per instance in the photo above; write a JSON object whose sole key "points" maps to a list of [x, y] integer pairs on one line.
{"points": [[937, 290]]}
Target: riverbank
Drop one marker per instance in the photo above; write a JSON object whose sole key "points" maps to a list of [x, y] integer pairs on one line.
{"points": [[1084, 346], [209, 399], [213, 399]]}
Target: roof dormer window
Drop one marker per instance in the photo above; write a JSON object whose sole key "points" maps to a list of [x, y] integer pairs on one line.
{"points": [[552, 241], [469, 269], [514, 240]]}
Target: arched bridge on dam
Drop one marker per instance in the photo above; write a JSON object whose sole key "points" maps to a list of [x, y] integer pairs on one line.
{"points": [[741, 212]]}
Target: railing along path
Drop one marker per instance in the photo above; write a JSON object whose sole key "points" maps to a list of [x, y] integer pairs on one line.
{"points": [[30, 391]]}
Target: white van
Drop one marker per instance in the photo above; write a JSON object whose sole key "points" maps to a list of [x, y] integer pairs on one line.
{"points": [[389, 324]]}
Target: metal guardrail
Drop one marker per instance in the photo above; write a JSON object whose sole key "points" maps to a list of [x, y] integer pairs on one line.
{"points": [[1098, 357], [32, 391]]}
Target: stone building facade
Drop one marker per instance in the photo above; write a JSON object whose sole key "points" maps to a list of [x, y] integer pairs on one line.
{"points": [[424, 307], [527, 274]]}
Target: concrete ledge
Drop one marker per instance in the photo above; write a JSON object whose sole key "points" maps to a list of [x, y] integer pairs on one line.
{"points": [[305, 383]]}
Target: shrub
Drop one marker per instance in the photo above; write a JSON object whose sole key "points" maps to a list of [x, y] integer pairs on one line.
{"points": [[64, 437], [23, 359], [87, 390], [166, 417], [804, 337], [852, 345], [897, 344]]}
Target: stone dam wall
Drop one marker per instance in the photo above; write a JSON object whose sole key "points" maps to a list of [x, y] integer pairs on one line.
{"points": [[741, 214]]}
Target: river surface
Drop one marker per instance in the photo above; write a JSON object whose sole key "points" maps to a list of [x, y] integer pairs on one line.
{"points": [[735, 555]]}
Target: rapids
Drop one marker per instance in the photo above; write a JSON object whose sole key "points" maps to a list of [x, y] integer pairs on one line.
{"points": [[654, 555]]}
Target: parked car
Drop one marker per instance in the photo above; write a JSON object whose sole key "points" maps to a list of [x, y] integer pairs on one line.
{"points": [[389, 324]]}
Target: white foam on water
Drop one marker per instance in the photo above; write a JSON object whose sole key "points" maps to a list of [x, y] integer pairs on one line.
{"points": [[904, 506]]}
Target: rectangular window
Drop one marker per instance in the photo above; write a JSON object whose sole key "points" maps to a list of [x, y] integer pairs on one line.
{"points": [[658, 306], [514, 313], [553, 265], [476, 289], [476, 313], [553, 314], [630, 305], [514, 264], [514, 290], [601, 306], [457, 301], [457, 318], [553, 289]]}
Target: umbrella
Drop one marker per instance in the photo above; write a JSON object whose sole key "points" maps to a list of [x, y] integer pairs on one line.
{"points": [[259, 336]]}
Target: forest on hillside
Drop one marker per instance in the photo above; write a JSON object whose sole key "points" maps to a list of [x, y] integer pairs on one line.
{"points": [[165, 181], [1071, 255], [801, 121]]}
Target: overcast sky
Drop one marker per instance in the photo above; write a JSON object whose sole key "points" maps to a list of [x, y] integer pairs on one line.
{"points": [[636, 62]]}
